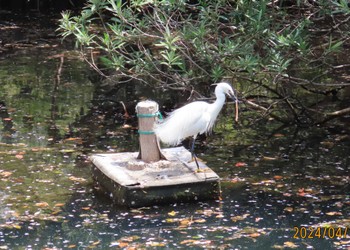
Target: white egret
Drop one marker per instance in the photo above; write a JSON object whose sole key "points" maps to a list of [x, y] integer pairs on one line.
{"points": [[194, 118]]}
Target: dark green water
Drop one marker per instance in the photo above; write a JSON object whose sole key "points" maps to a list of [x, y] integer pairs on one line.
{"points": [[278, 183]]}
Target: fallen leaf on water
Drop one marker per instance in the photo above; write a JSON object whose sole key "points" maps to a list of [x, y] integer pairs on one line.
{"points": [[10, 226], [19, 156], [5, 174], [343, 242], [206, 212], [187, 242], [16, 226], [37, 149], [317, 211], [155, 244], [14, 214], [126, 126], [123, 244], [59, 204], [195, 242], [327, 144], [95, 243], [277, 247], [257, 219], [268, 158], [301, 192], [172, 213], [290, 244], [56, 212], [138, 216], [220, 215], [19, 180], [128, 239], [67, 150], [73, 139], [239, 217], [264, 182], [186, 222], [278, 177], [135, 210], [334, 213], [200, 220], [170, 220], [241, 164], [254, 235], [237, 179], [252, 231], [77, 179], [288, 209], [42, 204]]}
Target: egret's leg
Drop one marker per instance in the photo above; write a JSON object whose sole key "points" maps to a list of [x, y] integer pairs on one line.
{"points": [[192, 151]]}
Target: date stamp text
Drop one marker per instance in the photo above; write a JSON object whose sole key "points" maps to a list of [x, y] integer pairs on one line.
{"points": [[320, 232]]}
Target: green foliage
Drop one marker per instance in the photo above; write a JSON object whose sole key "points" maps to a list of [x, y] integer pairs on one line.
{"points": [[183, 41], [343, 6]]}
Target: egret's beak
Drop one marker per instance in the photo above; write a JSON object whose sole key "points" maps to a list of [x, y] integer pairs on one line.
{"points": [[235, 100]]}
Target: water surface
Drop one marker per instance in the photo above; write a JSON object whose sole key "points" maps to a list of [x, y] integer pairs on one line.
{"points": [[54, 113]]}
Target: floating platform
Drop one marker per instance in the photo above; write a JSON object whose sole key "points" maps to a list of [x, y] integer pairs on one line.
{"points": [[132, 182]]}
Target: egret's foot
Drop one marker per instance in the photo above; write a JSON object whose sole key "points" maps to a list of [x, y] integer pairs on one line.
{"points": [[202, 170]]}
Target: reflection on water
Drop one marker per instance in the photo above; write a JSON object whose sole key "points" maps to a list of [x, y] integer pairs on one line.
{"points": [[53, 116]]}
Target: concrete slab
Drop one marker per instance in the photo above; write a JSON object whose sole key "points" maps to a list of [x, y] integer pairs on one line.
{"points": [[134, 183]]}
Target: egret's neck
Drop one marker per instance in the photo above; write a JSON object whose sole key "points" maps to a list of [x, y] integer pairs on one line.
{"points": [[220, 98], [217, 105]]}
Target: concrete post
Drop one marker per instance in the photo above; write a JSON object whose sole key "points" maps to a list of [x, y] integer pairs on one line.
{"points": [[147, 112]]}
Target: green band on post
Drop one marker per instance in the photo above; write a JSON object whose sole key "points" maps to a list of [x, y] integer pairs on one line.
{"points": [[157, 114], [141, 132], [146, 115]]}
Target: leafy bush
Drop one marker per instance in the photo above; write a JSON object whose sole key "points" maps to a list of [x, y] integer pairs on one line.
{"points": [[186, 40], [179, 42]]}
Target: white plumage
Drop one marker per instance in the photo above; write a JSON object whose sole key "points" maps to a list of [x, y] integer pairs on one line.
{"points": [[194, 118]]}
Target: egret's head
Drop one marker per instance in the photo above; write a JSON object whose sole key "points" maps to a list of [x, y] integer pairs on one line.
{"points": [[225, 88]]}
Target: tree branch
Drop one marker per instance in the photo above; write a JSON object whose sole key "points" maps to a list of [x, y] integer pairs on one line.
{"points": [[334, 115], [267, 111]]}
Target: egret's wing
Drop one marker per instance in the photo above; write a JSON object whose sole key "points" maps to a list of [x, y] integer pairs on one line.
{"points": [[186, 121]]}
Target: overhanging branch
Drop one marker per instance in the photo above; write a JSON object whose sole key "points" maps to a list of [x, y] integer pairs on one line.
{"points": [[334, 115]]}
